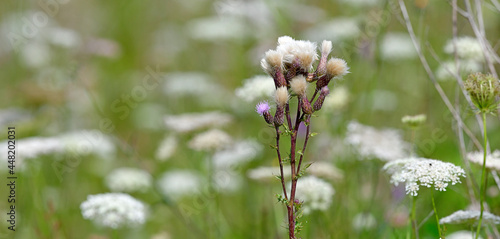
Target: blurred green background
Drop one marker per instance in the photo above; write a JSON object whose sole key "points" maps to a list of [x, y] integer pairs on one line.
{"points": [[73, 65]]}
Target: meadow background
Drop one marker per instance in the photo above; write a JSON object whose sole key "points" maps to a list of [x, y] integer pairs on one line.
{"points": [[88, 65]]}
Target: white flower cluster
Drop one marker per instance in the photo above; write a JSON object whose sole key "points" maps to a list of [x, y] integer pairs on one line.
{"points": [[240, 152], [82, 142], [114, 210], [265, 174], [397, 46], [424, 172], [166, 148], [337, 99], [470, 217], [462, 235], [467, 48], [128, 180], [180, 183], [492, 160], [193, 121], [385, 144], [448, 68], [315, 194], [336, 30], [213, 139], [260, 86], [470, 58]]}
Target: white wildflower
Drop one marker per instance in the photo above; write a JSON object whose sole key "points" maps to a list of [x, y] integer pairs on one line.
{"points": [[227, 181], [166, 148], [427, 173], [85, 142], [11, 115], [257, 87], [467, 48], [386, 145], [217, 29], [492, 160], [337, 99], [325, 170], [190, 84], [397, 46], [447, 69], [114, 210], [384, 100], [363, 221], [63, 37], [315, 194], [128, 180], [180, 183], [210, 140], [462, 235], [336, 30], [36, 54], [238, 153], [469, 217], [194, 121], [266, 173]]}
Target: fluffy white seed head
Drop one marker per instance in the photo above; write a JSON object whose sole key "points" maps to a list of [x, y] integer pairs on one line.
{"points": [[326, 47], [281, 96], [299, 85], [272, 60], [337, 67]]}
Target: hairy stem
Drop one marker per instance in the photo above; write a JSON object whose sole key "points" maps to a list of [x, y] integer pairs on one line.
{"points": [[280, 161]]}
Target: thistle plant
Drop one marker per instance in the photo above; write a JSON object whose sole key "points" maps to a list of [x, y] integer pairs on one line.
{"points": [[291, 67], [483, 91]]}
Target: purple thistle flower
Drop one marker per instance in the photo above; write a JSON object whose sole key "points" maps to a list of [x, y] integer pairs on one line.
{"points": [[262, 107]]}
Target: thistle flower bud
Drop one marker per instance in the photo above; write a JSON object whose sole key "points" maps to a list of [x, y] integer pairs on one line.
{"points": [[335, 67], [306, 105], [292, 70], [281, 96], [414, 121], [483, 90], [326, 48], [321, 98], [263, 109], [299, 85], [279, 116], [272, 63]]}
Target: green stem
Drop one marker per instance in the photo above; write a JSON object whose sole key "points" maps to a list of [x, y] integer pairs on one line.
{"points": [[436, 213], [482, 191], [413, 216]]}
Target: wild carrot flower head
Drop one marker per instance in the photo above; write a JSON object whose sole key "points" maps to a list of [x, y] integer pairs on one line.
{"points": [[483, 90], [425, 172], [470, 217], [492, 160], [315, 194], [114, 210], [414, 121]]}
